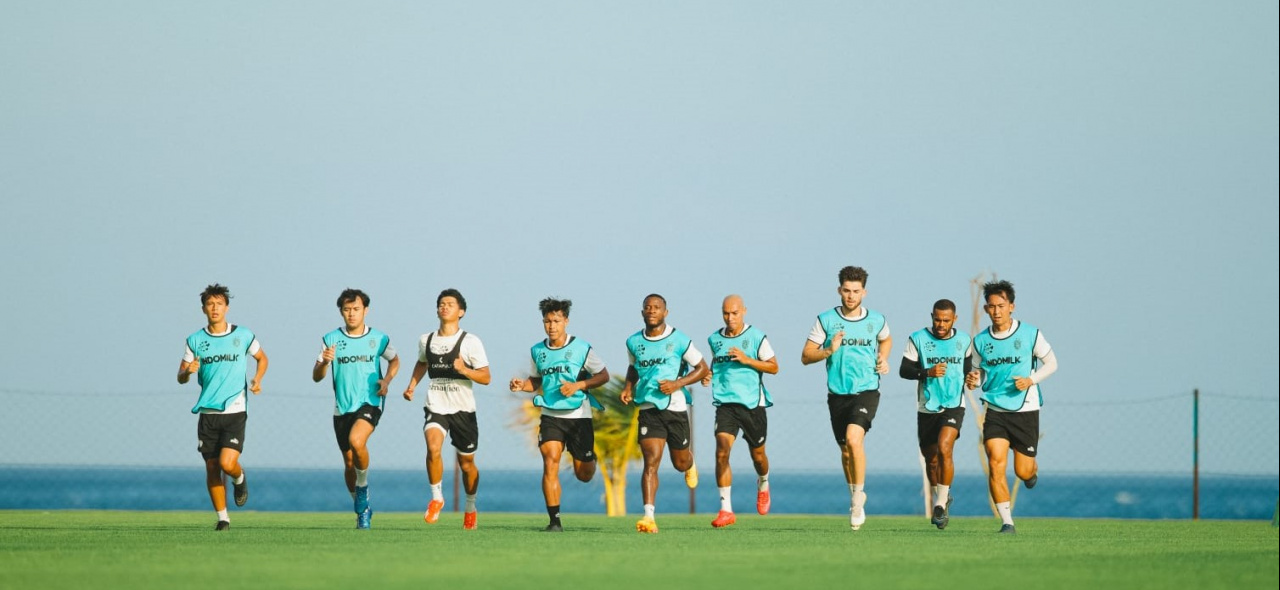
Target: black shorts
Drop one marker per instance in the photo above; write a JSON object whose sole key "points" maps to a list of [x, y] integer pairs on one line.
{"points": [[928, 426], [666, 424], [857, 409], [215, 432], [461, 427], [753, 422], [577, 434], [342, 424], [1021, 429]]}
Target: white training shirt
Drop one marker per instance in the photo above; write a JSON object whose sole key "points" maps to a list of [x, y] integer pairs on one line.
{"points": [[450, 396]]}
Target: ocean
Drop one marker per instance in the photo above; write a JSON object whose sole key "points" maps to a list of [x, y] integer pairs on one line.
{"points": [[1057, 495]]}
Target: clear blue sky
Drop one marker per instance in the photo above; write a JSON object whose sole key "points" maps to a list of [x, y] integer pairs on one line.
{"points": [[1116, 161]]}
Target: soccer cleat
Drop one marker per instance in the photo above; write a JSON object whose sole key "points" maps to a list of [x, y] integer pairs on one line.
{"points": [[433, 511], [365, 518], [1007, 529], [942, 515], [1031, 483], [241, 490], [858, 513], [724, 519], [362, 499], [691, 476], [763, 501], [222, 526], [553, 528], [646, 525], [469, 521]]}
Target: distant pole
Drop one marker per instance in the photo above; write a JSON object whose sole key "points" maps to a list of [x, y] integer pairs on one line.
{"points": [[693, 496], [1195, 455]]}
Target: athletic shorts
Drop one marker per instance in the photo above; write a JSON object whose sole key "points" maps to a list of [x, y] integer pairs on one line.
{"points": [[461, 427], [577, 434], [215, 432], [753, 422], [857, 409], [342, 424], [1021, 429], [929, 426], [672, 426]]}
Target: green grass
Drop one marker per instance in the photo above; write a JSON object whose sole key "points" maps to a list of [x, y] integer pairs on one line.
{"points": [[91, 549]]}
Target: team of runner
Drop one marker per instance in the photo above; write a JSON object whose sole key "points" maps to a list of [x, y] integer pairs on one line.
{"points": [[1006, 362]]}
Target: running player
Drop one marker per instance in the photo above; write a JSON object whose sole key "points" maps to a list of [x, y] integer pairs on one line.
{"points": [[561, 370], [740, 356], [938, 357], [218, 355], [855, 343], [659, 357], [454, 359], [356, 352], [1013, 358]]}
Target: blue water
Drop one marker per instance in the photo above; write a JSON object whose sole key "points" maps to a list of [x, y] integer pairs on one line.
{"points": [[1083, 496]]}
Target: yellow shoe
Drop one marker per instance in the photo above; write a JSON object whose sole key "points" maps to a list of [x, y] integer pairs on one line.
{"points": [[691, 477], [646, 525]]}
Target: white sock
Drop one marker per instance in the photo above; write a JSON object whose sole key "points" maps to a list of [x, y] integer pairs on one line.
{"points": [[362, 478], [222, 515], [648, 511], [726, 499], [940, 496], [933, 493], [762, 483], [854, 488], [471, 503], [437, 491], [1006, 513], [238, 480]]}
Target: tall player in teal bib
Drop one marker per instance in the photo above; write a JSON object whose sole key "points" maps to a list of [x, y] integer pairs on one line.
{"points": [[561, 371], [1013, 358], [657, 377], [855, 343], [356, 352], [218, 355], [740, 357], [938, 358]]}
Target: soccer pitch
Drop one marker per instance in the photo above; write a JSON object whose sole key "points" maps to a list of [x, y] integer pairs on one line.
{"points": [[99, 549]]}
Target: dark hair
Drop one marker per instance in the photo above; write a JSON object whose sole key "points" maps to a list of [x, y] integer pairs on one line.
{"points": [[652, 295], [944, 305], [552, 305], [998, 288], [215, 290], [349, 295], [462, 301], [853, 273]]}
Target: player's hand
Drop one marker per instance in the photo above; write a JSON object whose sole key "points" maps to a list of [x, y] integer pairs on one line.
{"points": [[706, 379], [460, 365], [938, 370], [835, 342], [329, 353], [882, 366], [570, 388], [516, 384], [668, 387], [408, 394], [255, 387], [382, 386], [626, 396], [193, 367], [737, 355], [1023, 383], [971, 380]]}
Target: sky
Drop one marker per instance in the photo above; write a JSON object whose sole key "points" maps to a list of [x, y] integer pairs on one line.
{"points": [[1116, 161]]}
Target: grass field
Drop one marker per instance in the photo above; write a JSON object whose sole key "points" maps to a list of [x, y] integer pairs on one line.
{"points": [[91, 549]]}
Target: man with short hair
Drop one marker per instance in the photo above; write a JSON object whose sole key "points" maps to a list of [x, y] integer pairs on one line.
{"points": [[218, 355], [356, 352], [1013, 358], [938, 358], [562, 369], [659, 357], [454, 359], [740, 356], [855, 343]]}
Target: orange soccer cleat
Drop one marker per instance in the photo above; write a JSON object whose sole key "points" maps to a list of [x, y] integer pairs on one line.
{"points": [[724, 519], [433, 511], [763, 502], [469, 521], [646, 525]]}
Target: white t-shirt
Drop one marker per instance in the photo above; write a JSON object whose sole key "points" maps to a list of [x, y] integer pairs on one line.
{"points": [[593, 365], [450, 396], [691, 357]]}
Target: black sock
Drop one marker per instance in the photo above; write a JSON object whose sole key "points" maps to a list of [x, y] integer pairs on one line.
{"points": [[554, 513]]}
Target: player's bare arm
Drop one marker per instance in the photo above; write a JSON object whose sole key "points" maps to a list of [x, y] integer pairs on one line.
{"points": [[393, 367], [627, 395], [256, 385], [480, 375], [322, 365], [814, 352], [568, 389], [671, 386], [770, 366], [186, 370]]}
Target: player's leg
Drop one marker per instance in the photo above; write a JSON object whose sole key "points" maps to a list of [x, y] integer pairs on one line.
{"points": [[857, 473], [997, 472], [690, 472], [1024, 428], [551, 451], [215, 482], [361, 428], [651, 451], [342, 433], [581, 445], [466, 440], [434, 435], [755, 430], [231, 443], [1025, 468]]}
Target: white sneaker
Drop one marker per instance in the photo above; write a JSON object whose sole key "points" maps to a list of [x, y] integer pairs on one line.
{"points": [[857, 513]]}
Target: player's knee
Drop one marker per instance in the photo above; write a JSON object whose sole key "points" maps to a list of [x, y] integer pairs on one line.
{"points": [[722, 455], [585, 471]]}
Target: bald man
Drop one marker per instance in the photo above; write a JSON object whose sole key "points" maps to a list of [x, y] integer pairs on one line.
{"points": [[740, 356]]}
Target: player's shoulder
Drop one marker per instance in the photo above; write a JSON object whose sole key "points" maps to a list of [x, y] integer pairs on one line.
{"points": [[471, 339]]}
